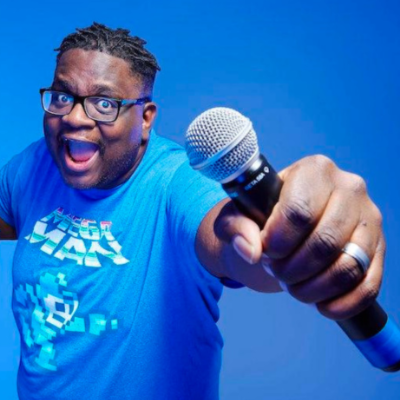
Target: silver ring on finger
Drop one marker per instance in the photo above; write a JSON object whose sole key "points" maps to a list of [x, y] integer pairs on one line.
{"points": [[355, 251]]}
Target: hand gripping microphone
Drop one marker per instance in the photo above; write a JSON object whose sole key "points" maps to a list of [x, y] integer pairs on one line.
{"points": [[222, 145]]}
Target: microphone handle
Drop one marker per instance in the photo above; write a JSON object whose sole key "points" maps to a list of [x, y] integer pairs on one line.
{"points": [[255, 192]]}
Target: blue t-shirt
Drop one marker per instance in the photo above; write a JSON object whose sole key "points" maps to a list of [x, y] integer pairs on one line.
{"points": [[108, 295]]}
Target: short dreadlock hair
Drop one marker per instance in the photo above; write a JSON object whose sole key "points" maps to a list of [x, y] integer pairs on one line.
{"points": [[115, 42]]}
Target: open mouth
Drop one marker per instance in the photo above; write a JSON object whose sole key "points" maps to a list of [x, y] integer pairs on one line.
{"points": [[80, 151], [79, 155]]}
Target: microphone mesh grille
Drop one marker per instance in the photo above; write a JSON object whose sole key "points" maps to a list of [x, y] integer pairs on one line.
{"points": [[214, 130], [232, 161]]}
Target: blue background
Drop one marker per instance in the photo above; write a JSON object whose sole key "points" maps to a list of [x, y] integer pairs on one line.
{"points": [[315, 77]]}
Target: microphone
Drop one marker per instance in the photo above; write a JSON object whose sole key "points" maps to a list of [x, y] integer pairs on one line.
{"points": [[222, 145]]}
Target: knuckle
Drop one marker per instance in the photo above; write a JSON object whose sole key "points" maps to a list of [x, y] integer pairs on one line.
{"points": [[298, 213], [320, 164], [345, 275], [381, 249], [325, 242], [322, 161], [369, 292], [376, 215], [357, 184]]}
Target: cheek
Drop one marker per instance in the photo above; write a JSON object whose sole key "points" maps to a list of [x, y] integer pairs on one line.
{"points": [[50, 126], [121, 150], [131, 125], [122, 134], [50, 129]]}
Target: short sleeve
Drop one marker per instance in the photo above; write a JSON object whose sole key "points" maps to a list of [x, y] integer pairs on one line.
{"points": [[13, 181], [190, 197]]}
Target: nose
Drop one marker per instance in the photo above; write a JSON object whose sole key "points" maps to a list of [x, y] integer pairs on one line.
{"points": [[77, 118]]}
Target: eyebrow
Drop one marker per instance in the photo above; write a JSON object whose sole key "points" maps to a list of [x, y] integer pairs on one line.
{"points": [[104, 91], [64, 85], [96, 90]]}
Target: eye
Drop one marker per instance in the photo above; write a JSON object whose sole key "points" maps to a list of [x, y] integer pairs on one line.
{"points": [[58, 101], [62, 98], [105, 103]]}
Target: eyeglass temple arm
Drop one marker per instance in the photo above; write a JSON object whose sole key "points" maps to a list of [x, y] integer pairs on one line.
{"points": [[137, 101]]}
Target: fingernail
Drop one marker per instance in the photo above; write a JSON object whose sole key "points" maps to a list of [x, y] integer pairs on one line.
{"points": [[243, 248], [265, 262]]}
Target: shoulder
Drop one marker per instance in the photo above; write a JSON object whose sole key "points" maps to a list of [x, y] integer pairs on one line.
{"points": [[24, 170], [161, 149], [162, 159], [32, 155], [15, 179]]}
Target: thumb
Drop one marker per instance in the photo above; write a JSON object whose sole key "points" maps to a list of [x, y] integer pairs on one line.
{"points": [[240, 232]]}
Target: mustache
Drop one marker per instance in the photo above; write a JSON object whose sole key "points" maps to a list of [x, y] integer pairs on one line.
{"points": [[67, 139]]}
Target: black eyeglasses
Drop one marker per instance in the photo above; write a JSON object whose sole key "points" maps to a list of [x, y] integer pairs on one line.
{"points": [[102, 109]]}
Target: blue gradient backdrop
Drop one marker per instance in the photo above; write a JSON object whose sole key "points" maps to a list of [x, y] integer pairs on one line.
{"points": [[315, 77]]}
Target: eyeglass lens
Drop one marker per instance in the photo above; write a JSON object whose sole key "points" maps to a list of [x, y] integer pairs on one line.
{"points": [[98, 108]]}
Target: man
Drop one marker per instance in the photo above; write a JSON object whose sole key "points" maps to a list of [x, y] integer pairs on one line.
{"points": [[122, 248]]}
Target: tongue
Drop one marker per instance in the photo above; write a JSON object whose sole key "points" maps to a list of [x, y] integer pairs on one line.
{"points": [[81, 151]]}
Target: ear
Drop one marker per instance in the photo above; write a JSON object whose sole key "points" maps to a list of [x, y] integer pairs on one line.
{"points": [[149, 115]]}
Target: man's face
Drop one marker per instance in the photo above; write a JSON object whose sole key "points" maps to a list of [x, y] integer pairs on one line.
{"points": [[88, 153]]}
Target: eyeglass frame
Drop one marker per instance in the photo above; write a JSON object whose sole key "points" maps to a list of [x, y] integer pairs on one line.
{"points": [[81, 100]]}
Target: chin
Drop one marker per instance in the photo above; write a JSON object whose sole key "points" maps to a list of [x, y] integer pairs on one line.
{"points": [[79, 183]]}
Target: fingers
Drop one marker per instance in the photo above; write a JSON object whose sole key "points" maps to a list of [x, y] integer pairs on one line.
{"points": [[308, 229], [244, 234], [241, 250], [340, 277], [323, 245], [320, 210], [362, 296], [343, 290], [302, 201]]}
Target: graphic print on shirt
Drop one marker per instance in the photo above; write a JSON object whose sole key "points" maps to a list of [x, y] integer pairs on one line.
{"points": [[48, 310], [65, 236]]}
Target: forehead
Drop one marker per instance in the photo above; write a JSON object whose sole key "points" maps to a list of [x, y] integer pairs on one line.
{"points": [[89, 72]]}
